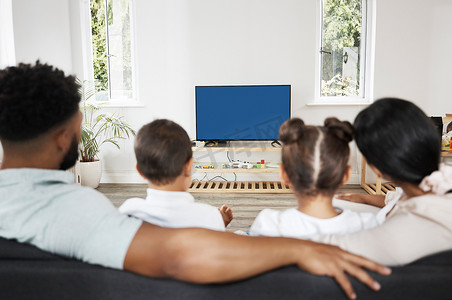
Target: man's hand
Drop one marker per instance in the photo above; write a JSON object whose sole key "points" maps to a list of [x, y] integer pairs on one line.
{"points": [[332, 261]]}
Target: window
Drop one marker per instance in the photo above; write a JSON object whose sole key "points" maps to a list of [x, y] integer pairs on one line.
{"points": [[344, 51], [111, 47], [7, 53]]}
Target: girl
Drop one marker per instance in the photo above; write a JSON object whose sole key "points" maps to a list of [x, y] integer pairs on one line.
{"points": [[314, 165]]}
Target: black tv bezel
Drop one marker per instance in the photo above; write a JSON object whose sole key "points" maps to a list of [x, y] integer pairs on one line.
{"points": [[246, 85]]}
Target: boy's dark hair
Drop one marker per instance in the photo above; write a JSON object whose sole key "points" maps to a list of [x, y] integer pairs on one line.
{"points": [[162, 149], [315, 158], [396, 137], [35, 99]]}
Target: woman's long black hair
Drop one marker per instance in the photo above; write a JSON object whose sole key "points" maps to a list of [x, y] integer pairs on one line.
{"points": [[396, 137]]}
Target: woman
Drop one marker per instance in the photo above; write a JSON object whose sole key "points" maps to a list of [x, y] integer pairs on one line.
{"points": [[401, 144]]}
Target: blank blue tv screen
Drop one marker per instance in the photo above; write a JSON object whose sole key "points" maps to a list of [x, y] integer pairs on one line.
{"points": [[241, 112]]}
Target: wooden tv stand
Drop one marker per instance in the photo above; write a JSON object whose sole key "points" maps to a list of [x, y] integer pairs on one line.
{"points": [[266, 187]]}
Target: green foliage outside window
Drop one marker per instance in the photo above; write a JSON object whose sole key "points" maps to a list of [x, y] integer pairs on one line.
{"points": [[342, 24], [112, 54], [99, 43], [127, 45], [342, 27]]}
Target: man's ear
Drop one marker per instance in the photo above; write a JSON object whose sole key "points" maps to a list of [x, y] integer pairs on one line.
{"points": [[63, 139], [188, 166], [347, 174], [139, 172], [283, 175]]}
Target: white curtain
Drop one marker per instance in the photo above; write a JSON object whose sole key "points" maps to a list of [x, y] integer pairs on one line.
{"points": [[7, 52]]}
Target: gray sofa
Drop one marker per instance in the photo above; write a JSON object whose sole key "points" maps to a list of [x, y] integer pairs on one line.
{"points": [[29, 273]]}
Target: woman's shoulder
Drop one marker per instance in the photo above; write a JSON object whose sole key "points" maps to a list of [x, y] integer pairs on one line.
{"points": [[427, 199], [427, 204], [427, 208]]}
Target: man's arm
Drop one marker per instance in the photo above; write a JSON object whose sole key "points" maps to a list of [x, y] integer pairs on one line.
{"points": [[204, 256], [375, 200]]}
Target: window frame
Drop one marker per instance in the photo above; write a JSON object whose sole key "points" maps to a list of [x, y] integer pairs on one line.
{"points": [[7, 47], [87, 48], [367, 59]]}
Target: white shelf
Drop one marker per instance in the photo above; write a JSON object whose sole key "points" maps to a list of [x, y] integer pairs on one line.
{"points": [[219, 169], [236, 170]]}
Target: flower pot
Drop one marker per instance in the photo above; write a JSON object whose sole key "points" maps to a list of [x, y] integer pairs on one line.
{"points": [[90, 173]]}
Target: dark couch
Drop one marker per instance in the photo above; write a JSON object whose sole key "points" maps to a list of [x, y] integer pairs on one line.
{"points": [[29, 273]]}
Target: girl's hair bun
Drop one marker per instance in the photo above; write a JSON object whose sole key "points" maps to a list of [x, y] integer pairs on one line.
{"points": [[343, 130], [291, 131]]}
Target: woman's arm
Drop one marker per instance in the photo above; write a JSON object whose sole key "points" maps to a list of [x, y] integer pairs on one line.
{"points": [[204, 256], [375, 200]]}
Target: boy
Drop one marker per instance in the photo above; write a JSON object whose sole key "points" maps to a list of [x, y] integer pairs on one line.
{"points": [[164, 159]]}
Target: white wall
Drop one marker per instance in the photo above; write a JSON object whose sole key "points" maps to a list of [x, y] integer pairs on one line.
{"points": [[440, 59], [183, 43], [413, 59], [42, 31]]}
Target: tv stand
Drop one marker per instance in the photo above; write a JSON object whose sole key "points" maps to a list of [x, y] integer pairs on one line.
{"points": [[216, 143], [276, 144], [257, 187]]}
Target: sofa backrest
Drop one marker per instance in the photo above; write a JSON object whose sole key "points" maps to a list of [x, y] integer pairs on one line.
{"points": [[11, 249], [29, 273]]}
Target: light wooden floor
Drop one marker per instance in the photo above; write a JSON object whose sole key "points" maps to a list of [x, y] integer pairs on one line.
{"points": [[245, 207]]}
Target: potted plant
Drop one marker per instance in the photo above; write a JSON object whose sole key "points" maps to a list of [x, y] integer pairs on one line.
{"points": [[97, 129]]}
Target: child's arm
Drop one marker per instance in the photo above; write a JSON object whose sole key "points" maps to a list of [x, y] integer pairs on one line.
{"points": [[375, 200], [226, 213]]}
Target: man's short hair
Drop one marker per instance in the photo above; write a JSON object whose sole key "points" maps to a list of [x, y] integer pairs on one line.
{"points": [[35, 99], [162, 149]]}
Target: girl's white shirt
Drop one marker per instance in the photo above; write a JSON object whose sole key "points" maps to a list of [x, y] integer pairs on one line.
{"points": [[295, 224]]}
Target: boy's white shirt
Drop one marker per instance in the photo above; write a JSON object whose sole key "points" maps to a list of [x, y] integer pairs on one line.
{"points": [[173, 210], [295, 224]]}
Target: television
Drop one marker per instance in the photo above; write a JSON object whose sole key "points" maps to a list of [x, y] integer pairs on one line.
{"points": [[244, 112]]}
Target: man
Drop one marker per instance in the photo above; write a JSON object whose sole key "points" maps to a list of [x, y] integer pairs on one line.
{"points": [[39, 132]]}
